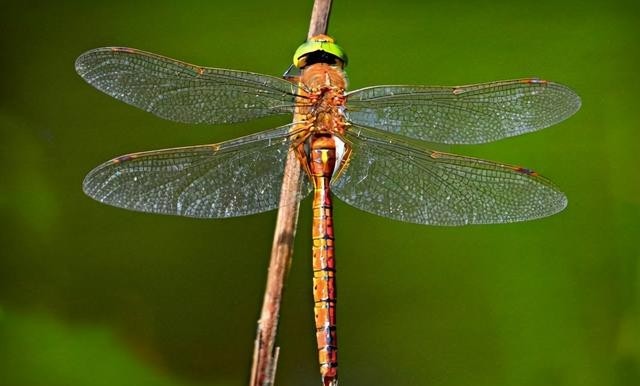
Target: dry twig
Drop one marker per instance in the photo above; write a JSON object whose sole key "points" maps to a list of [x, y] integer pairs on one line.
{"points": [[265, 355]]}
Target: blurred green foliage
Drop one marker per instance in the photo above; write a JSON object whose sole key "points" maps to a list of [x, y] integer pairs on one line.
{"points": [[93, 295]]}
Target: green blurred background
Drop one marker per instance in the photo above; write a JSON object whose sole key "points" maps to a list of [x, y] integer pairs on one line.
{"points": [[94, 295]]}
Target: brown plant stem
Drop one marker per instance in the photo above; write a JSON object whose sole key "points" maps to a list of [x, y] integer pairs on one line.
{"points": [[265, 354]]}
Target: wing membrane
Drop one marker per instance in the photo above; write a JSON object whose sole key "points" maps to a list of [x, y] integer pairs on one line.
{"points": [[463, 115], [234, 178], [184, 92], [407, 183]]}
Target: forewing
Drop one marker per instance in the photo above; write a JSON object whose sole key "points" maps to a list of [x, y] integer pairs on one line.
{"points": [[233, 178], [184, 92], [463, 115], [401, 181]]}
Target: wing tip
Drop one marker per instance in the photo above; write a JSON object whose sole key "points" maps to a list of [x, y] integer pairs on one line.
{"points": [[81, 64]]}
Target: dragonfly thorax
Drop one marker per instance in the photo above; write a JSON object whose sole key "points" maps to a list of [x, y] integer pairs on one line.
{"points": [[320, 146], [326, 99]]}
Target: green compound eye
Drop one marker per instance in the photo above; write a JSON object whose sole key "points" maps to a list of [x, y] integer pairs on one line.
{"points": [[319, 49]]}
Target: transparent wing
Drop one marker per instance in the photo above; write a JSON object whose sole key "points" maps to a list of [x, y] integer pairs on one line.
{"points": [[184, 92], [401, 181], [468, 114], [233, 178]]}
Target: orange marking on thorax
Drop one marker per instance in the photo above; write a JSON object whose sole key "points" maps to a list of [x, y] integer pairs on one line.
{"points": [[320, 107], [325, 85]]}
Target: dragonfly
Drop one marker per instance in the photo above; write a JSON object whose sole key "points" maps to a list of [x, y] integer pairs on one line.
{"points": [[371, 147]]}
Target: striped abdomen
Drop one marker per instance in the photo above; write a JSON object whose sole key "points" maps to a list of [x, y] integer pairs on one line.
{"points": [[321, 163]]}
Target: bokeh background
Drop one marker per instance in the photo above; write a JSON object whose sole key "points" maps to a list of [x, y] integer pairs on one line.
{"points": [[94, 295]]}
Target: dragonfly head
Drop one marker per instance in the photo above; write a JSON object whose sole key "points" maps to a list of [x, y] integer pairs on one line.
{"points": [[319, 49]]}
